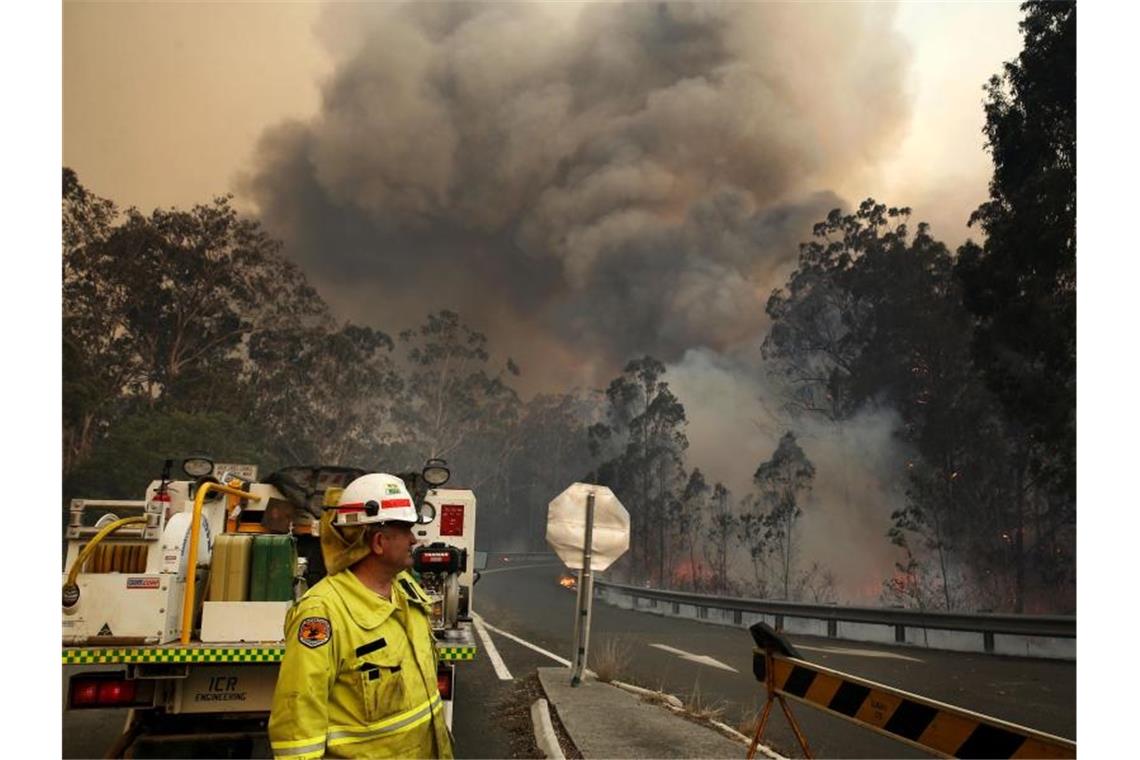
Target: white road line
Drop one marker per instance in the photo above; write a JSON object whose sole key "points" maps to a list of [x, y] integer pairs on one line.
{"points": [[496, 661], [524, 642], [859, 652], [701, 659]]}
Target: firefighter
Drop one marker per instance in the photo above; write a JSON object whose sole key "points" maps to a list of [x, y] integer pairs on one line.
{"points": [[359, 674]]}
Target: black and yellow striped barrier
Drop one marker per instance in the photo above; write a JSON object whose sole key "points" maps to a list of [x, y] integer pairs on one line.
{"points": [[934, 726]]}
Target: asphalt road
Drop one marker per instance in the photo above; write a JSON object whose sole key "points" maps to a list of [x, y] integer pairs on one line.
{"points": [[528, 602]]}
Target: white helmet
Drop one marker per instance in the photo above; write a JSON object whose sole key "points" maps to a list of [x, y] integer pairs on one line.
{"points": [[375, 498]]}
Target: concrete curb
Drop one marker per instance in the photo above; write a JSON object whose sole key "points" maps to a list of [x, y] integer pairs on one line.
{"points": [[731, 732], [544, 734], [676, 705], [660, 696]]}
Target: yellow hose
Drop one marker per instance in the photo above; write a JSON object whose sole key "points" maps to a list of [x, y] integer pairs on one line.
{"points": [[192, 551], [73, 574]]}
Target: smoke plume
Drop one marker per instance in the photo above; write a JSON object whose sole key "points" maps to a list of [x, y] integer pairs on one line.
{"points": [[582, 182], [858, 479], [591, 182]]}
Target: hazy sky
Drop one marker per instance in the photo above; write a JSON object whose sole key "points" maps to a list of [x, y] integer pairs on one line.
{"points": [[163, 102]]}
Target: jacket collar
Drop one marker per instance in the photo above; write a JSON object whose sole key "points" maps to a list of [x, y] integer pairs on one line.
{"points": [[367, 608]]}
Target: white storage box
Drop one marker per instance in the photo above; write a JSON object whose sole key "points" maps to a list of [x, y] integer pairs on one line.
{"points": [[243, 621]]}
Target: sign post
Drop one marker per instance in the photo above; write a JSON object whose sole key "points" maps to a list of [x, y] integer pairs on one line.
{"points": [[588, 528], [585, 599]]}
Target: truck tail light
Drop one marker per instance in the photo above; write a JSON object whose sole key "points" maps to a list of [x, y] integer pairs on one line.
{"points": [[443, 678], [101, 690]]}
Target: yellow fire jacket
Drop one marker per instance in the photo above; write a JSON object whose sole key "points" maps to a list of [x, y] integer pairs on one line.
{"points": [[359, 675]]}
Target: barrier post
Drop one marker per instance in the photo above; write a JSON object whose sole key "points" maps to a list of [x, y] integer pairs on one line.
{"points": [[770, 686]]}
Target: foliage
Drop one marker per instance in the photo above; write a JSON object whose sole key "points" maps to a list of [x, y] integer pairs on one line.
{"points": [[159, 310], [892, 331], [611, 658], [1020, 286], [550, 451], [91, 385], [642, 444], [752, 535], [816, 585], [447, 383], [136, 446], [325, 396], [780, 483], [722, 522], [689, 519]]}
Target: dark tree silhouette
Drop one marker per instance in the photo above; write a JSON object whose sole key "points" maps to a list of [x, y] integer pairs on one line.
{"points": [[1021, 283]]}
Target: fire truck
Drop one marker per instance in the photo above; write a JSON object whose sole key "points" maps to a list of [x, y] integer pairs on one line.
{"points": [[185, 591]]}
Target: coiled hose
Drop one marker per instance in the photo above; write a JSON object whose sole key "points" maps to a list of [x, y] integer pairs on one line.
{"points": [[71, 588]]}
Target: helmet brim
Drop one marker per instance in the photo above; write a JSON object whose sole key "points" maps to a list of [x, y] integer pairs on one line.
{"points": [[403, 523]]}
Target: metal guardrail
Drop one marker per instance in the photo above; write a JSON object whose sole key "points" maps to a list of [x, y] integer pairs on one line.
{"points": [[1054, 626], [1055, 635], [524, 556]]}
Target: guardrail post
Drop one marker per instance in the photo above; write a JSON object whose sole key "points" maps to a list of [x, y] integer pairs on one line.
{"points": [[737, 617], [676, 608], [988, 641], [832, 629], [900, 633]]}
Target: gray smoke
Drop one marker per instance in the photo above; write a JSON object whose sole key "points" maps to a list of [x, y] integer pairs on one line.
{"points": [[582, 182], [737, 424], [591, 182]]}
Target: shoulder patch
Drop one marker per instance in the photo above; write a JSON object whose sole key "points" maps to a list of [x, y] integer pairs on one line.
{"points": [[314, 632]]}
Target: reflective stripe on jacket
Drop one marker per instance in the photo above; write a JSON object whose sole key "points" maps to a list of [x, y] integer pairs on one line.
{"points": [[359, 675]]}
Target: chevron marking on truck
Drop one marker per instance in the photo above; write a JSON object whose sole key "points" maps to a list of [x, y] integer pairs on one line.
{"points": [[110, 656]]}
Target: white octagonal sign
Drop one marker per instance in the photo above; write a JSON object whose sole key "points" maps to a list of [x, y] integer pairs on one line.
{"points": [[566, 526]]}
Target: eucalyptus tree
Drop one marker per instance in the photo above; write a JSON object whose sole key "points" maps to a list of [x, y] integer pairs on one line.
{"points": [[1020, 286], [642, 443], [552, 452], [688, 520], [722, 528], [447, 383], [326, 395], [781, 483], [159, 310], [93, 341]]}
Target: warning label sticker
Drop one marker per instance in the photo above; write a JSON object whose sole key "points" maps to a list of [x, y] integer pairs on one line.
{"points": [[142, 582]]}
